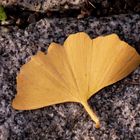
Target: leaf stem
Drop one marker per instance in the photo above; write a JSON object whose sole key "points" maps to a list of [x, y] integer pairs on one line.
{"points": [[92, 114]]}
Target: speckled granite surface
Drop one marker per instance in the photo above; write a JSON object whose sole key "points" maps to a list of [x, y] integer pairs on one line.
{"points": [[118, 105]]}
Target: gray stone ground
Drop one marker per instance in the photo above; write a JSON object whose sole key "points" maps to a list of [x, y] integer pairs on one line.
{"points": [[118, 105], [44, 5]]}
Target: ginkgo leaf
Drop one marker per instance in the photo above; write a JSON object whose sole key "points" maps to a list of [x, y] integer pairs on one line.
{"points": [[74, 72]]}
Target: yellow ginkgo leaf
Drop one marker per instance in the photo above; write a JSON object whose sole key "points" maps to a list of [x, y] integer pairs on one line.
{"points": [[74, 72]]}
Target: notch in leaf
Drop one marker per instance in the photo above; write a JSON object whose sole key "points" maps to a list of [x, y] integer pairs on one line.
{"points": [[74, 72]]}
